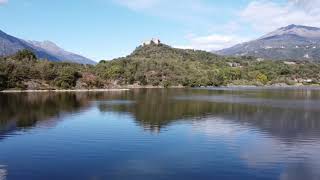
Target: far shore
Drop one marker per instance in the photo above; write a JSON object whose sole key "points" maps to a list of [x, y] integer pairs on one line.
{"points": [[120, 88], [127, 88], [64, 90]]}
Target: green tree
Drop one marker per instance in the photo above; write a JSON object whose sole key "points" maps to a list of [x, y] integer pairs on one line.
{"points": [[262, 78], [48, 70], [67, 78], [3, 81], [25, 55], [219, 78]]}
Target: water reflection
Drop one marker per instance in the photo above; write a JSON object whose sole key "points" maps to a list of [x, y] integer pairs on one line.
{"points": [[288, 117], [24, 110], [265, 134], [3, 172], [263, 150]]}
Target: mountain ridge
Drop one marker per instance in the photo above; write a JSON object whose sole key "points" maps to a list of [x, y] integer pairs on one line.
{"points": [[10, 45], [293, 42]]}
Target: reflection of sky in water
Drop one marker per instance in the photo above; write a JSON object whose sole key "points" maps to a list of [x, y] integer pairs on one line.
{"points": [[3, 172], [298, 160], [198, 135], [116, 102], [304, 104]]}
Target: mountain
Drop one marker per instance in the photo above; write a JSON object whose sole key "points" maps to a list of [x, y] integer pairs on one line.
{"points": [[293, 42], [60, 53], [9, 45]]}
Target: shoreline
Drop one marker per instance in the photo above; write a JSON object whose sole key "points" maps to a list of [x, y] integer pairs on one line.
{"points": [[126, 88], [66, 90], [244, 87]]}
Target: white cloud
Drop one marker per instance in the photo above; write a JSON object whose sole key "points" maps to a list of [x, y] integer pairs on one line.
{"points": [[193, 14], [255, 19], [212, 42], [265, 16], [3, 2], [182, 10]]}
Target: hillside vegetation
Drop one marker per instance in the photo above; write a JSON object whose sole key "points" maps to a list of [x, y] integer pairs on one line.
{"points": [[165, 66], [156, 65]]}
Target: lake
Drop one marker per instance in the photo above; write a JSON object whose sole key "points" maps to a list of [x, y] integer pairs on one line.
{"points": [[232, 134]]}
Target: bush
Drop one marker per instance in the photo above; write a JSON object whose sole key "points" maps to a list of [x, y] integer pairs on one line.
{"points": [[3, 81], [25, 55], [262, 78], [219, 79], [166, 84], [47, 69], [91, 81], [67, 78]]}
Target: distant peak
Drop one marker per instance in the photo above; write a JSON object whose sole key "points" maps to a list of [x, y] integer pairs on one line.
{"points": [[296, 30], [49, 45], [48, 42], [45, 42], [293, 26]]}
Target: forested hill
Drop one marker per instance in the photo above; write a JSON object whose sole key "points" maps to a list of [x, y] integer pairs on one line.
{"points": [[162, 51], [162, 65], [154, 65]]}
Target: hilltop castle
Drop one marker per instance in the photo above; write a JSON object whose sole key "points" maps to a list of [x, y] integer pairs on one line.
{"points": [[155, 41]]}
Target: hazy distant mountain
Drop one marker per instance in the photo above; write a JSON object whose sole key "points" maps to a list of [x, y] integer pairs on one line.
{"points": [[291, 42], [60, 53], [9, 45]]}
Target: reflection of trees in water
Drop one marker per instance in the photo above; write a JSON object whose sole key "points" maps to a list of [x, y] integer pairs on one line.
{"points": [[304, 170], [25, 110], [155, 109], [283, 123]]}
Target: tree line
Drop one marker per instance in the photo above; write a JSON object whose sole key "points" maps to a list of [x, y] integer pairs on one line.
{"points": [[154, 65]]}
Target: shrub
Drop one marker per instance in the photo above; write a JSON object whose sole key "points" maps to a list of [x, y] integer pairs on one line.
{"points": [[67, 78], [262, 78], [166, 84], [91, 80], [25, 55], [3, 81]]}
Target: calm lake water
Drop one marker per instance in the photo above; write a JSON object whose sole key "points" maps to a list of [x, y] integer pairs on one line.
{"points": [[161, 134]]}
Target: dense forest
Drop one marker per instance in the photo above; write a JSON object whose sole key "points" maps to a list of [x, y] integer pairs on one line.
{"points": [[154, 65]]}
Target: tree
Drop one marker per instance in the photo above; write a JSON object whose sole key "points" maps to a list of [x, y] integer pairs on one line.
{"points": [[91, 81], [262, 78], [67, 78], [3, 81], [25, 55], [47, 70], [219, 78]]}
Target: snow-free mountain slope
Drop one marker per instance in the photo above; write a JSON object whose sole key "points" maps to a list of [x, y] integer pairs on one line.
{"points": [[9, 45], [292, 42]]}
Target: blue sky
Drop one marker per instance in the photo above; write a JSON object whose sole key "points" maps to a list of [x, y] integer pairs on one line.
{"points": [[105, 29]]}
